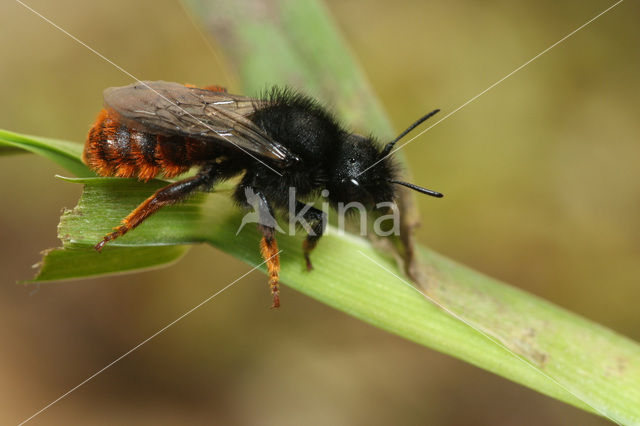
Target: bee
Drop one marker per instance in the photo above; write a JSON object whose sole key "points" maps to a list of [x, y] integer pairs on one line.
{"points": [[281, 140]]}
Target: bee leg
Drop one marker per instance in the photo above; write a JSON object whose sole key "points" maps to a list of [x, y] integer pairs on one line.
{"points": [[166, 196], [269, 251], [317, 221], [268, 245]]}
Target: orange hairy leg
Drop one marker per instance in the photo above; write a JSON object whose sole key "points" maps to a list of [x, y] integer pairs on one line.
{"points": [[269, 251], [268, 244], [166, 196]]}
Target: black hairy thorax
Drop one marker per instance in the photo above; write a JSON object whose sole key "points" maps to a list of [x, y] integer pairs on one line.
{"points": [[306, 129]]}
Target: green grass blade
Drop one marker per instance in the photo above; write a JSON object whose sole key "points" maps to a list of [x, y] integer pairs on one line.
{"points": [[71, 261], [79, 232], [586, 361], [81, 262], [66, 154]]}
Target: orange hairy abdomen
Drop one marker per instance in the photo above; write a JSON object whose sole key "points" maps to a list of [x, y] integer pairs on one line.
{"points": [[113, 149]]}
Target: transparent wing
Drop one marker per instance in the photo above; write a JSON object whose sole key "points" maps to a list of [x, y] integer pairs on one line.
{"points": [[174, 109]]}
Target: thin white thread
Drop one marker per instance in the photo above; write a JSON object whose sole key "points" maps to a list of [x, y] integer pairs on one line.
{"points": [[146, 340], [493, 85], [77, 40], [491, 338]]}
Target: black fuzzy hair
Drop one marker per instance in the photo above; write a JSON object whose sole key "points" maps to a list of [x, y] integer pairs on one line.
{"points": [[318, 133], [288, 96]]}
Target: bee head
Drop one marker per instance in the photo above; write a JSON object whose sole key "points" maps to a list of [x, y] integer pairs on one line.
{"points": [[351, 181], [363, 173]]}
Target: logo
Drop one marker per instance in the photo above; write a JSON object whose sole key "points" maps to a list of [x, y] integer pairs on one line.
{"points": [[384, 224], [261, 213]]}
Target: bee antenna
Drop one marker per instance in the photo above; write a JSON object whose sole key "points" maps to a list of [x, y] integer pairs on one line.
{"points": [[418, 188], [387, 149]]}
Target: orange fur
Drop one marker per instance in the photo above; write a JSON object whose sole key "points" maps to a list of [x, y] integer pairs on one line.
{"points": [[216, 88], [97, 151], [101, 152], [269, 251], [146, 170], [169, 167]]}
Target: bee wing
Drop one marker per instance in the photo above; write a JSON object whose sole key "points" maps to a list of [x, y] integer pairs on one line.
{"points": [[174, 109]]}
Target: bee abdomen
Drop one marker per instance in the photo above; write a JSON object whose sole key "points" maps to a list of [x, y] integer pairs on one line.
{"points": [[113, 149], [171, 154]]}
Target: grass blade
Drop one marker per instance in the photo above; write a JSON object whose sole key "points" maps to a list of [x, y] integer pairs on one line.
{"points": [[66, 154], [81, 262], [558, 353]]}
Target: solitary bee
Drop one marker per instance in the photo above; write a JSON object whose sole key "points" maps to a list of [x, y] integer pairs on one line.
{"points": [[282, 140]]}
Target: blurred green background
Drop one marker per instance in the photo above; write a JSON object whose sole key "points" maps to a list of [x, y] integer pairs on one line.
{"points": [[542, 191]]}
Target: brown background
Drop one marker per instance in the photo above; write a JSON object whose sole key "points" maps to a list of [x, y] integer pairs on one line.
{"points": [[542, 183]]}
